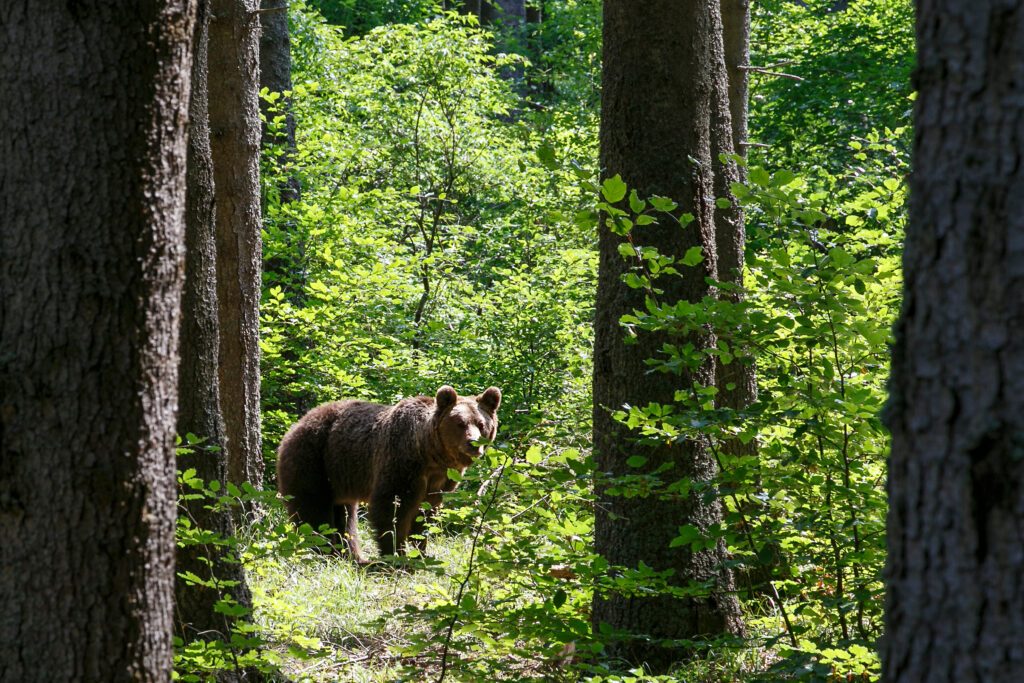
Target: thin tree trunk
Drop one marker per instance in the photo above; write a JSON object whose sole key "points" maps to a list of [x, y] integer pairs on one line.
{"points": [[954, 579], [736, 43], [289, 268], [235, 143], [276, 77], [93, 137], [736, 381], [671, 52], [535, 12], [511, 12], [199, 410]]}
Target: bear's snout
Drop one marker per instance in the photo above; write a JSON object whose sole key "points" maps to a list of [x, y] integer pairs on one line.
{"points": [[472, 436]]}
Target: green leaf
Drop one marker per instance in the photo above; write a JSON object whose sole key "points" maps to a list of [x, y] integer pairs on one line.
{"points": [[783, 178], [636, 461], [663, 204], [693, 256], [633, 280], [546, 155], [688, 535], [636, 204], [613, 189], [759, 176]]}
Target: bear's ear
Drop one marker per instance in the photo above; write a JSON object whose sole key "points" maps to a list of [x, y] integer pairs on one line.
{"points": [[445, 399], [490, 400]]}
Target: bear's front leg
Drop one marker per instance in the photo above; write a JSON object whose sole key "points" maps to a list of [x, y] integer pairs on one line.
{"points": [[392, 513]]}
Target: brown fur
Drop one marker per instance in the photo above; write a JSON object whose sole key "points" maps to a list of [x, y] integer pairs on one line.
{"points": [[392, 457]]}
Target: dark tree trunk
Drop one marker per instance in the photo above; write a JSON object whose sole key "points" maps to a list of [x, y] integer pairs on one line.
{"points": [[736, 42], [470, 7], [671, 52], [535, 12], [198, 391], [92, 130], [235, 143], [954, 580], [276, 77], [737, 381], [511, 12]]}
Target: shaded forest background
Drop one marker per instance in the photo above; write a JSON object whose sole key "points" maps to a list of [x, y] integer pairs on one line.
{"points": [[221, 213], [435, 222]]}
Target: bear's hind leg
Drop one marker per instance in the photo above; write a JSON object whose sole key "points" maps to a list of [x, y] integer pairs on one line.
{"points": [[346, 519], [314, 508]]}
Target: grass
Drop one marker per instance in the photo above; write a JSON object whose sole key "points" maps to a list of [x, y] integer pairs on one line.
{"points": [[328, 619]]}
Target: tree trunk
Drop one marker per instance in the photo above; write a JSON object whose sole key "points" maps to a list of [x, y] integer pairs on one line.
{"points": [[511, 12], [199, 410], [470, 7], [276, 77], [670, 52], [736, 42], [955, 589], [737, 381], [535, 12], [93, 136], [235, 143]]}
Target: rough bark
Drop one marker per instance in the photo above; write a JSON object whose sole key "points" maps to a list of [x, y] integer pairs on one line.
{"points": [[736, 42], [199, 410], [668, 52], [288, 268], [276, 77], [955, 589], [92, 133], [235, 143], [737, 381]]}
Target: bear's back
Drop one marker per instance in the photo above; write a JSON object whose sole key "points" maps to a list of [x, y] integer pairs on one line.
{"points": [[349, 451]]}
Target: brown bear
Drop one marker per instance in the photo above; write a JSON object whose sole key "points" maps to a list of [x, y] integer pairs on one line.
{"points": [[392, 457]]}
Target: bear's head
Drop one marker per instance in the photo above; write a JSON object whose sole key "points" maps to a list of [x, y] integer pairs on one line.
{"points": [[463, 421]]}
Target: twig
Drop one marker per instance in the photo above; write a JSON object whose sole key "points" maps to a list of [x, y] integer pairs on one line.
{"points": [[469, 571], [748, 533], [776, 65], [766, 71]]}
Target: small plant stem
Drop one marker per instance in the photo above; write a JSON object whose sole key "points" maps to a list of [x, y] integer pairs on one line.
{"points": [[847, 479], [469, 571], [749, 536]]}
